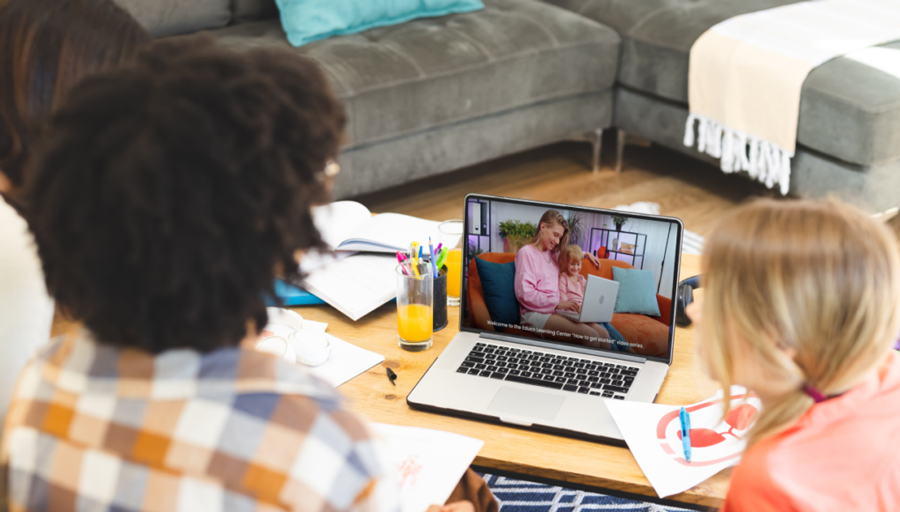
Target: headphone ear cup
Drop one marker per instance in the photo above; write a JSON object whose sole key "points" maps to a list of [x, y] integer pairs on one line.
{"points": [[685, 298]]}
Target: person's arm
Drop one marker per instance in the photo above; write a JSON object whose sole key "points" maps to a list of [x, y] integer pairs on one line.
{"points": [[563, 288], [593, 259], [526, 284]]}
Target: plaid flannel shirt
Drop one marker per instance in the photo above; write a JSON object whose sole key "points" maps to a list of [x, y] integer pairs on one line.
{"points": [[93, 427]]}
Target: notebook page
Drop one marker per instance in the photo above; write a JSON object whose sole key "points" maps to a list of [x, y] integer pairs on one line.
{"points": [[339, 220], [357, 285], [390, 232]]}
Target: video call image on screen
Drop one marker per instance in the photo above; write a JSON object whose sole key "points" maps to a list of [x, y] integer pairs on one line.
{"points": [[524, 277]]}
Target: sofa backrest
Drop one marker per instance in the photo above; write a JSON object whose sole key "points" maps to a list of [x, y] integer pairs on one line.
{"points": [[172, 17], [587, 268], [253, 10]]}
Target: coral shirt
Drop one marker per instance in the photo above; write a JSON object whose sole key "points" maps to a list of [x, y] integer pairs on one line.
{"points": [[537, 280], [842, 455], [569, 290]]}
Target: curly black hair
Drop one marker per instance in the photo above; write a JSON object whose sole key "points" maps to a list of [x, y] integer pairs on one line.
{"points": [[167, 193]]}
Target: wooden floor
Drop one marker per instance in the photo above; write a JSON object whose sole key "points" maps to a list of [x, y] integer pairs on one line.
{"points": [[693, 191]]}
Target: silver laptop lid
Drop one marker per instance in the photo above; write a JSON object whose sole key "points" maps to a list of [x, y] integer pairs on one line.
{"points": [[645, 248]]}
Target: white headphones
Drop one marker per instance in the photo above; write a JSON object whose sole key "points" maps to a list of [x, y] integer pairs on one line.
{"points": [[286, 338]]}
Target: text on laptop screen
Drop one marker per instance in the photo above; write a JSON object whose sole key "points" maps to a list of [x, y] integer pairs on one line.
{"points": [[527, 271]]}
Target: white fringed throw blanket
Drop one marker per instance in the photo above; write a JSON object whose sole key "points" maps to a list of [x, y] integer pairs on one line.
{"points": [[746, 74]]}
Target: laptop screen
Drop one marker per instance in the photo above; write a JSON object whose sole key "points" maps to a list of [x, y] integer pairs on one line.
{"points": [[526, 266]]}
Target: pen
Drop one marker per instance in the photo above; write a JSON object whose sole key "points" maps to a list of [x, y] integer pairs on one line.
{"points": [[431, 259], [420, 251], [438, 248], [442, 257], [392, 376], [685, 433], [400, 261]]}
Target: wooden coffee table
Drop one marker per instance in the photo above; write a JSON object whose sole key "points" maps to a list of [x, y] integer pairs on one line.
{"points": [[507, 450]]}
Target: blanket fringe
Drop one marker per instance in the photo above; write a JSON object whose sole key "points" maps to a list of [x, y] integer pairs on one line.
{"points": [[738, 151]]}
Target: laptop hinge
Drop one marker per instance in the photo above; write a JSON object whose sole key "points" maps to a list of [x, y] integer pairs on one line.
{"points": [[568, 348]]}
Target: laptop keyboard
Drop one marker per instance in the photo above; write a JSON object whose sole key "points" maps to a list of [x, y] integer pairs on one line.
{"points": [[573, 374]]}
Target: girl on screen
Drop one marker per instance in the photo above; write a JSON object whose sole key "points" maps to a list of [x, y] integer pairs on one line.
{"points": [[537, 286]]}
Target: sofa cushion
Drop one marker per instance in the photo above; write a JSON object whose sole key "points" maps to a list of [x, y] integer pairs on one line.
{"points": [[306, 21], [254, 10], [172, 17], [431, 72], [637, 291], [849, 109]]}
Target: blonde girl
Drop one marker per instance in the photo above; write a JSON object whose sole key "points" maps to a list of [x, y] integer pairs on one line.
{"points": [[537, 285], [801, 306], [572, 285]]}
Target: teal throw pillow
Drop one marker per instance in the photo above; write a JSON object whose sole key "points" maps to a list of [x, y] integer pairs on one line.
{"points": [[306, 21], [637, 291], [498, 287]]}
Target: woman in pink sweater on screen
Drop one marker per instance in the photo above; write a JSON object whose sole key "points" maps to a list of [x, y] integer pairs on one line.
{"points": [[537, 286]]}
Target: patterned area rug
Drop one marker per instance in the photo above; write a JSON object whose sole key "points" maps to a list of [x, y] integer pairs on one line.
{"points": [[523, 496]]}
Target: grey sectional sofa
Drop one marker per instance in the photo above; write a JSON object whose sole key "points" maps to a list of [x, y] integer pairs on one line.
{"points": [[849, 127], [434, 95]]}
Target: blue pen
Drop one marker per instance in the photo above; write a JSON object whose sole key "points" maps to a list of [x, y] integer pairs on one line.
{"points": [[432, 259], [420, 252], [685, 433]]}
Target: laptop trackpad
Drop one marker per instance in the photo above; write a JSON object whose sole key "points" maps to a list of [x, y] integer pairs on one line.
{"points": [[531, 404]]}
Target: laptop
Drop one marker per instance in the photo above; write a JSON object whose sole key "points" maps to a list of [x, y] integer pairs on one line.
{"points": [[598, 304], [501, 370]]}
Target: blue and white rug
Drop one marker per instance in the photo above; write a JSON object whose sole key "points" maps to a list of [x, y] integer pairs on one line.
{"points": [[524, 496]]}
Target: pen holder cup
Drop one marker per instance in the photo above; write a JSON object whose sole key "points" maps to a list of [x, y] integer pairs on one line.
{"points": [[440, 300]]}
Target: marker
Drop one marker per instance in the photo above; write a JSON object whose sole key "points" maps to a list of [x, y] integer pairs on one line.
{"points": [[685, 433], [400, 261], [442, 257], [431, 259], [413, 259], [392, 376]]}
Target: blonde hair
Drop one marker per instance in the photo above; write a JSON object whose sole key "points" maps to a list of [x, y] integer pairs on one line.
{"points": [[815, 277], [572, 252], [551, 217]]}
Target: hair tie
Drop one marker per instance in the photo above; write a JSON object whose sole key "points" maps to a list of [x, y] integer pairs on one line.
{"points": [[813, 393]]}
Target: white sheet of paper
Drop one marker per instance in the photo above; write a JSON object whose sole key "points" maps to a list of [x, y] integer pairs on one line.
{"points": [[651, 431], [356, 285], [346, 361], [430, 463]]}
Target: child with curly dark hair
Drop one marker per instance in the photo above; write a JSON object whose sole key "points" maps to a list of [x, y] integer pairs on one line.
{"points": [[165, 199]]}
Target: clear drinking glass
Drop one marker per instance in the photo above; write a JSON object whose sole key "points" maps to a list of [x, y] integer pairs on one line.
{"points": [[452, 238], [415, 315]]}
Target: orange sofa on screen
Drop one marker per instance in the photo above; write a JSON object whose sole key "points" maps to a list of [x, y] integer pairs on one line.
{"points": [[650, 331]]}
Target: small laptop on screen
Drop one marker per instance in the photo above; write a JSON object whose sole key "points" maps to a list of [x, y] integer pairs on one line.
{"points": [[598, 304], [516, 361]]}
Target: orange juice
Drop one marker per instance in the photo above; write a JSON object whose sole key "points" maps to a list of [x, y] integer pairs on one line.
{"points": [[414, 322], [454, 272]]}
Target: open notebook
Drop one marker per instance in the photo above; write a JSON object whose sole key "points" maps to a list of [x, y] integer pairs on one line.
{"points": [[350, 226]]}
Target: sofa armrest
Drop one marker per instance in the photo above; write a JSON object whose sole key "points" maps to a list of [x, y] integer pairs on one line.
{"points": [[479, 310], [665, 310]]}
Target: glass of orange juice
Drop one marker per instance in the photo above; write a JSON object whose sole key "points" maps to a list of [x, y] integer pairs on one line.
{"points": [[415, 296], [451, 236]]}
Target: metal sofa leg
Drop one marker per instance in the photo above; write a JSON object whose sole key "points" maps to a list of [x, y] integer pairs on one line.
{"points": [[598, 148], [620, 149]]}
